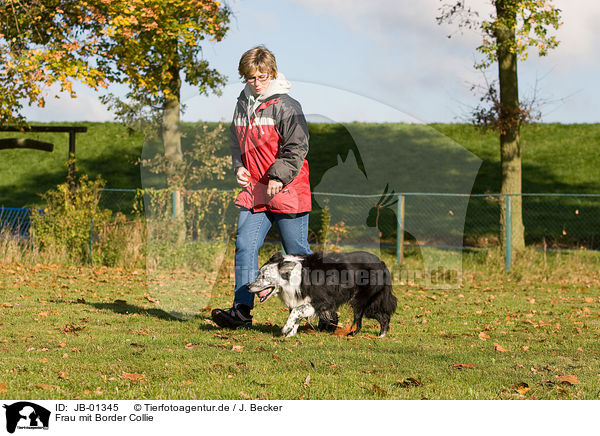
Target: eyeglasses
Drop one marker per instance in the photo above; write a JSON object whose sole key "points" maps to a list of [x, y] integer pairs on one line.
{"points": [[262, 78]]}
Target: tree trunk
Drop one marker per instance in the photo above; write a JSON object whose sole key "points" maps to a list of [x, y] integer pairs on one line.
{"points": [[510, 147], [171, 135]]}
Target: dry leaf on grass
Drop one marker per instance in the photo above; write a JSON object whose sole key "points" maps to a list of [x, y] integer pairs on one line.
{"points": [[379, 391], [483, 336], [72, 328], [3, 389], [499, 348], [133, 377], [463, 365], [409, 382], [568, 379], [306, 381], [521, 388]]}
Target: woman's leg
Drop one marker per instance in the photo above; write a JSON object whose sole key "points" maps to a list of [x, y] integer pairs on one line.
{"points": [[293, 230]]}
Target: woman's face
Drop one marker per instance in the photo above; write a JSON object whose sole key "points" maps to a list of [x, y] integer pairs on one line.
{"points": [[259, 82]]}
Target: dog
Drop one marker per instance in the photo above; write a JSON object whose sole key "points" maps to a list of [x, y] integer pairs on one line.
{"points": [[317, 284]]}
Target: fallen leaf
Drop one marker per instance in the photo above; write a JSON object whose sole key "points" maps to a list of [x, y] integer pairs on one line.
{"points": [[483, 336], [152, 299], [379, 391], [237, 348], [48, 387], [276, 357], [499, 348], [521, 387], [409, 382], [133, 377], [463, 365], [7, 305], [568, 379], [306, 381], [343, 331], [72, 328], [63, 375], [3, 389]]}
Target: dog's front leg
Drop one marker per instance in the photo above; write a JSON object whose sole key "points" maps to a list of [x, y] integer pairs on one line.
{"points": [[291, 326]]}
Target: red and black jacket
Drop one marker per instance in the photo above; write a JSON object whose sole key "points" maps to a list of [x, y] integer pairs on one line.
{"points": [[272, 143]]}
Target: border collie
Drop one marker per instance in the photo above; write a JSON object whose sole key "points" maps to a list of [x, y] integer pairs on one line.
{"points": [[317, 284]]}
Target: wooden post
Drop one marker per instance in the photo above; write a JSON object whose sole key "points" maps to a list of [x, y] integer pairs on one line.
{"points": [[400, 231]]}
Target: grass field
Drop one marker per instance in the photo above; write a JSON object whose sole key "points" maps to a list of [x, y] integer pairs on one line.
{"points": [[97, 333], [91, 332]]}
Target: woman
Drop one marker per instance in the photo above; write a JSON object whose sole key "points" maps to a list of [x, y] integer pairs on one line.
{"points": [[269, 147]]}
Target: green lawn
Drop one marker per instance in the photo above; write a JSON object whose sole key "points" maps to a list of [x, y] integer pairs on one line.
{"points": [[98, 333]]}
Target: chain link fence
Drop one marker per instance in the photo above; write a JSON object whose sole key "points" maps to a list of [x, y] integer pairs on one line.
{"points": [[452, 221]]}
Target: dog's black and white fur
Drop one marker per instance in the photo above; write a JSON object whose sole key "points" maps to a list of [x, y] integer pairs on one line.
{"points": [[317, 284]]}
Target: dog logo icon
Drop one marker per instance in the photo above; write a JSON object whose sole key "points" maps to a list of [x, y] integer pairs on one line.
{"points": [[26, 415]]}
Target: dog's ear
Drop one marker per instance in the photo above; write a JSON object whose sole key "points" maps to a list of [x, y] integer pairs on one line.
{"points": [[286, 268], [276, 258]]}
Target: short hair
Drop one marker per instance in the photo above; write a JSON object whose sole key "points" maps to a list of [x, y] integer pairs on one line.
{"points": [[257, 59]]}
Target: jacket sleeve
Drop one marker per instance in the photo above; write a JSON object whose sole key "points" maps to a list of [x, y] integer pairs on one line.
{"points": [[291, 125], [236, 152]]}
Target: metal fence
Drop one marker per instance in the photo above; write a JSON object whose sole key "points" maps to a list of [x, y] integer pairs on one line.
{"points": [[454, 221], [15, 221]]}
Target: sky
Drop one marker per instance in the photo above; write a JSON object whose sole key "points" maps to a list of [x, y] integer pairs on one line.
{"points": [[380, 61]]}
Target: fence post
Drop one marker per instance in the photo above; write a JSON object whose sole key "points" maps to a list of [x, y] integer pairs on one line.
{"points": [[508, 244], [400, 231], [91, 244], [174, 198]]}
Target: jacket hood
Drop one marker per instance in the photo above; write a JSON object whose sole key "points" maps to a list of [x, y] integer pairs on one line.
{"points": [[279, 85]]}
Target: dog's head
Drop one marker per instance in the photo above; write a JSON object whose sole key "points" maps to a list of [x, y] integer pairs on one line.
{"points": [[280, 273]]}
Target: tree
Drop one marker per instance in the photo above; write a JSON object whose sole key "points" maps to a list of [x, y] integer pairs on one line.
{"points": [[153, 45], [516, 26], [41, 44]]}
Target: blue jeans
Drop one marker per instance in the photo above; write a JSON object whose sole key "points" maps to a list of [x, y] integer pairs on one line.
{"points": [[251, 232]]}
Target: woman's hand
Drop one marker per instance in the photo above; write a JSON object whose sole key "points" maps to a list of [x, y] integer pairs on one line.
{"points": [[242, 177], [274, 187]]}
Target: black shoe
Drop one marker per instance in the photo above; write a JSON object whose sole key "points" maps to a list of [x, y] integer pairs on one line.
{"points": [[328, 324], [236, 317]]}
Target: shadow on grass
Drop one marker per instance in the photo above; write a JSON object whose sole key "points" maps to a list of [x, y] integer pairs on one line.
{"points": [[208, 326], [126, 308]]}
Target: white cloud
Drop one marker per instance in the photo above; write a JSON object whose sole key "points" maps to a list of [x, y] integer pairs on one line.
{"points": [[86, 107]]}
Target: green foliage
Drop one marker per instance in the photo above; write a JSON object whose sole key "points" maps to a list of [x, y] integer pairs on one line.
{"points": [[41, 44], [69, 217], [202, 162], [532, 21], [143, 44], [150, 43]]}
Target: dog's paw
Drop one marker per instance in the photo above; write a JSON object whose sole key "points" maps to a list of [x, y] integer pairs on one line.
{"points": [[288, 332]]}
